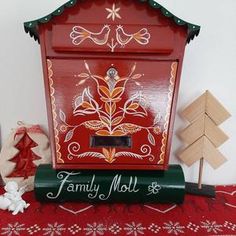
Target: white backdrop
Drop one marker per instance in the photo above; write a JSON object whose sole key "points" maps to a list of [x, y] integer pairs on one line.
{"points": [[210, 63]]}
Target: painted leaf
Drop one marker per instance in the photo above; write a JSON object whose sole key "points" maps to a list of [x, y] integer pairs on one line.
{"points": [[62, 116], [157, 119], [83, 75], [117, 91], [94, 124], [86, 105], [69, 135], [105, 120], [137, 83], [136, 76], [151, 139], [113, 108], [107, 108], [81, 82], [118, 133], [133, 106], [133, 69], [117, 120], [87, 66], [103, 133], [105, 91]]}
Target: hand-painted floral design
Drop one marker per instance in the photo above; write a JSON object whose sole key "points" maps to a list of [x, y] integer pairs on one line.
{"points": [[110, 116], [154, 188]]}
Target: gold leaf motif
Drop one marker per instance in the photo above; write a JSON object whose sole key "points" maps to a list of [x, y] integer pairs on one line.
{"points": [[103, 133], [86, 105], [107, 108], [94, 124], [117, 91], [113, 108], [104, 91], [118, 133], [104, 120], [133, 106], [117, 120]]}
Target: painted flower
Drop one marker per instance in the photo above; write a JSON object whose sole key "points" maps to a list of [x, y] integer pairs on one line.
{"points": [[95, 229], [134, 229], [54, 229], [136, 105], [211, 226], [63, 128], [13, 229], [113, 12], [85, 104], [154, 188], [173, 228]]}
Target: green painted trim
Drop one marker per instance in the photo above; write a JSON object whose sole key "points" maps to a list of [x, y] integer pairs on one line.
{"points": [[31, 27]]}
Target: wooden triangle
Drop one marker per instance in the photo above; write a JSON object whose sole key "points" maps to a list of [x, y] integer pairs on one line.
{"points": [[212, 155], [195, 109], [215, 109], [203, 126], [202, 148], [206, 104], [214, 133]]}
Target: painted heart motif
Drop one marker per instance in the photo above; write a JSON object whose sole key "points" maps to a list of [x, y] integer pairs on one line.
{"points": [[231, 197], [162, 208], [75, 209]]}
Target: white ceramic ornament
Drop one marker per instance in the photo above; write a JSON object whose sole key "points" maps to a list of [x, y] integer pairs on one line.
{"points": [[12, 200]]}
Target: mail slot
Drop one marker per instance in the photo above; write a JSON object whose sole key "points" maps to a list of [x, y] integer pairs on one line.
{"points": [[111, 141], [111, 73]]}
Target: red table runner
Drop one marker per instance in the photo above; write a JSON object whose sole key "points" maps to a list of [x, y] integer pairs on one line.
{"points": [[197, 216]]}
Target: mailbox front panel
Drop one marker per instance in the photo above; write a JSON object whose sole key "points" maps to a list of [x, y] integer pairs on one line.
{"points": [[110, 113]]}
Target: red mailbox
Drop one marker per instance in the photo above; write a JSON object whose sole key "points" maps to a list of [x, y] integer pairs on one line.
{"points": [[111, 72]]}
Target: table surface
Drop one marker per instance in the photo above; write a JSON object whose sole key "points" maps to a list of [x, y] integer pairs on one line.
{"points": [[197, 216]]}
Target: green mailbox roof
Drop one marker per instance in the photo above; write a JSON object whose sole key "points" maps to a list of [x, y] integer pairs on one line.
{"points": [[31, 27]]}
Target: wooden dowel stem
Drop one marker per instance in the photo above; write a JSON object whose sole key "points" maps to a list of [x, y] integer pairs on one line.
{"points": [[200, 173]]}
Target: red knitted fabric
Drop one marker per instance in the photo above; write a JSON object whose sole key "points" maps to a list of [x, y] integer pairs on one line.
{"points": [[197, 216]]}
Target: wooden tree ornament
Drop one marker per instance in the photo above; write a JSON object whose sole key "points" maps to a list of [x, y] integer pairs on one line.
{"points": [[203, 136]]}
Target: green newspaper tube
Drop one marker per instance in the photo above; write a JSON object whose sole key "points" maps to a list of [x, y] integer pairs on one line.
{"points": [[110, 185]]}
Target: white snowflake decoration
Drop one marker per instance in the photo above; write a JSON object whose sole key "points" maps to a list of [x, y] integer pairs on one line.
{"points": [[33, 229], [13, 229], [95, 229], [74, 229], [211, 226], [54, 229], [113, 13], [115, 229], [134, 229], [154, 228], [173, 228]]}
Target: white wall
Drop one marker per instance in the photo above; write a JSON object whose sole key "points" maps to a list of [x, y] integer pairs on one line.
{"points": [[210, 63]]}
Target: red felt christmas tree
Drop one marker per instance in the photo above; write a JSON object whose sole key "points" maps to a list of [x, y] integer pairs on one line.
{"points": [[25, 158]]}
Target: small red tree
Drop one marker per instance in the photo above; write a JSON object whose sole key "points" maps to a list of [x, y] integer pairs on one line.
{"points": [[25, 158]]}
